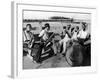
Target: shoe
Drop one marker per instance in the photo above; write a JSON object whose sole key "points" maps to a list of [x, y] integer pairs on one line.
{"points": [[63, 54], [55, 54]]}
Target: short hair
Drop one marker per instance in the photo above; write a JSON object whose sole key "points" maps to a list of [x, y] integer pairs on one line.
{"points": [[84, 24], [64, 27], [69, 26], [43, 28], [30, 26], [77, 27], [72, 29], [47, 25]]}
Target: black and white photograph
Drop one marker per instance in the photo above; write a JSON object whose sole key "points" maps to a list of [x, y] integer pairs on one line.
{"points": [[56, 39]]}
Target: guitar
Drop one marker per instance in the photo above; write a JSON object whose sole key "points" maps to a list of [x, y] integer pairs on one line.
{"points": [[50, 38]]}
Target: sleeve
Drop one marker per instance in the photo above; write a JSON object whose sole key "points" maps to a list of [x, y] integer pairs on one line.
{"points": [[87, 35], [41, 33], [24, 37], [79, 34]]}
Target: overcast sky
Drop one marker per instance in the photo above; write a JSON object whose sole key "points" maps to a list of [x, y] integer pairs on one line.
{"points": [[46, 15]]}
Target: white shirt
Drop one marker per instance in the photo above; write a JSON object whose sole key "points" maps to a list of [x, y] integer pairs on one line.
{"points": [[27, 36], [74, 36], [66, 38], [43, 34], [82, 34]]}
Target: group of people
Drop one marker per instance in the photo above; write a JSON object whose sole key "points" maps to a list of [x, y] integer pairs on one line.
{"points": [[74, 34], [69, 33]]}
